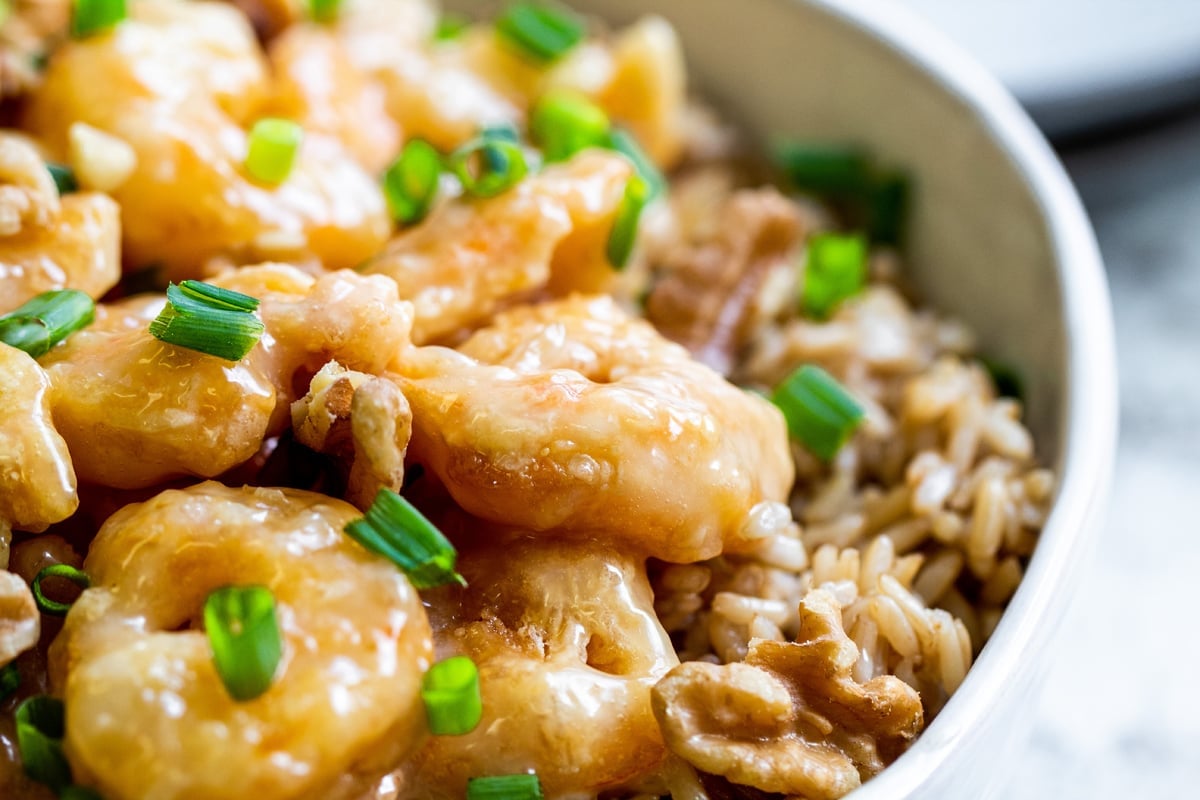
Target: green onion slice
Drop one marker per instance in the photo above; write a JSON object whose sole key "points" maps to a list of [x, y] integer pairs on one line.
{"points": [[65, 571], [450, 27], [820, 413], [889, 207], [835, 269], [625, 226], [411, 182], [5, 11], [90, 17], [10, 680], [244, 635], [488, 165], [274, 145], [46, 320], [396, 530], [324, 11], [74, 792], [64, 177], [40, 727], [624, 143], [564, 122], [525, 786], [208, 319], [540, 32], [824, 168], [450, 690], [1005, 378]]}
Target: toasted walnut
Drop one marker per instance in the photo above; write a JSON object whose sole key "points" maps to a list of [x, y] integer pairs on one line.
{"points": [[703, 300], [791, 718], [363, 419], [28, 197], [20, 624]]}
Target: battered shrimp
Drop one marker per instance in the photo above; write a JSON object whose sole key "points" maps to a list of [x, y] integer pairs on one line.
{"points": [[573, 417], [568, 648], [37, 480], [181, 83], [468, 259], [147, 715], [47, 243]]}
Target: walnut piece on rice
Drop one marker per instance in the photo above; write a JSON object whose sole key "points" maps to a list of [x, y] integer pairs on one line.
{"points": [[791, 718]]}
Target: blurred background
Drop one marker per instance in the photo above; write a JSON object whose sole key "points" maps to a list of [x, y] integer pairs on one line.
{"points": [[1115, 84]]}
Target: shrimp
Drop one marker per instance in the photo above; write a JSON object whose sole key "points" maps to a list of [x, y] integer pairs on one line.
{"points": [[37, 478], [573, 417], [180, 84], [50, 243], [147, 715], [568, 649], [464, 262]]}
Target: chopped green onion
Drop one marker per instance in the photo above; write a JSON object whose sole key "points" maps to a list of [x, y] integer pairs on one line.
{"points": [[244, 635], [525, 786], [564, 122], [450, 690], [64, 177], [46, 320], [820, 414], [208, 319], [10, 680], [411, 182], [625, 227], [823, 168], [624, 143], [540, 32], [5, 10], [1005, 378], [450, 26], [324, 10], [488, 165], [40, 728], [274, 145], [65, 571], [501, 130], [396, 530], [95, 16], [74, 792], [889, 208], [835, 268]]}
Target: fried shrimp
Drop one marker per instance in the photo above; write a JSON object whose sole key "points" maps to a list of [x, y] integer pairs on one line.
{"points": [[147, 714], [568, 648], [569, 416], [469, 258], [181, 84]]}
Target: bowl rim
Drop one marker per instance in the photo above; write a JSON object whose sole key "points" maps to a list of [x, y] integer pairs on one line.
{"points": [[1088, 413]]}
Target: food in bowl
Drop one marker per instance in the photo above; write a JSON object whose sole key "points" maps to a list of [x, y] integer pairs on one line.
{"points": [[430, 409]]}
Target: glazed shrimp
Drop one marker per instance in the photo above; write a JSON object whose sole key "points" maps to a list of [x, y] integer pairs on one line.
{"points": [[180, 84], [566, 417], [46, 242], [469, 258], [568, 648], [147, 715]]}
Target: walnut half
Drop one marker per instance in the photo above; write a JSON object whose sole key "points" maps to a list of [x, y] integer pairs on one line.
{"points": [[790, 719]]}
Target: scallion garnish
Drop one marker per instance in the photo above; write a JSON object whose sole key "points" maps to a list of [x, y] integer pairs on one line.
{"points": [[889, 207], [820, 414], [90, 17], [450, 690], [74, 792], [208, 319], [396, 530], [40, 728], [625, 226], [540, 32], [1005, 378], [624, 143], [564, 122], [64, 177], [273, 147], [46, 320], [450, 26], [10, 680], [488, 165], [411, 182], [835, 268], [244, 635], [525, 786], [324, 10], [66, 572]]}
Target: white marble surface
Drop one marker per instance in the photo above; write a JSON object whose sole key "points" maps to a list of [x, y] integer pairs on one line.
{"points": [[1120, 716]]}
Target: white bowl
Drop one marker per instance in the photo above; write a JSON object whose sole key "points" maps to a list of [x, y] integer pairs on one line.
{"points": [[997, 237]]}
